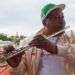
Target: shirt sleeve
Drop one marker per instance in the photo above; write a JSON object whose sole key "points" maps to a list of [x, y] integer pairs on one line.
{"points": [[63, 50]]}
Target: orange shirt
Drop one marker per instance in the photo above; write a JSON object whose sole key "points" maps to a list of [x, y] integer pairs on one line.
{"points": [[5, 71]]}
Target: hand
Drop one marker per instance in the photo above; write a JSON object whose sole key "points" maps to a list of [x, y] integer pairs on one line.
{"points": [[15, 60], [40, 42]]}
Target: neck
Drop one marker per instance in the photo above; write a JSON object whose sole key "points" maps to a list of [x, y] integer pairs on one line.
{"points": [[46, 32]]}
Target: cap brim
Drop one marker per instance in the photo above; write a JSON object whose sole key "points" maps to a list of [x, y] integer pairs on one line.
{"points": [[61, 6]]}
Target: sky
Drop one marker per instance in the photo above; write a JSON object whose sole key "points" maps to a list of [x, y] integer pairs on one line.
{"points": [[23, 16]]}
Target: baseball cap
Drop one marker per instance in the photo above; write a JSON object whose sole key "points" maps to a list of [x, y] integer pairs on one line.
{"points": [[47, 9]]}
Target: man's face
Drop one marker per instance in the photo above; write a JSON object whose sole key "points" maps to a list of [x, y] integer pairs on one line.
{"points": [[55, 20]]}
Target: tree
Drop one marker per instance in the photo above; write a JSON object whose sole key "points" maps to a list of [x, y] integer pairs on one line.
{"points": [[3, 37]]}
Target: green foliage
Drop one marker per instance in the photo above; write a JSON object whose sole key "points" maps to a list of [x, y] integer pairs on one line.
{"points": [[4, 37], [13, 38], [17, 39]]}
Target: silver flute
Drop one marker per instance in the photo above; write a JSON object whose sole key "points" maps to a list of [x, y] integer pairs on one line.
{"points": [[26, 48]]}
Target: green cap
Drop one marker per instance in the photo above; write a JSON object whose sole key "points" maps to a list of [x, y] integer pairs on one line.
{"points": [[47, 9]]}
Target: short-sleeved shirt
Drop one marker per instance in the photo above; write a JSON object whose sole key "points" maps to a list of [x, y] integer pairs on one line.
{"points": [[52, 64]]}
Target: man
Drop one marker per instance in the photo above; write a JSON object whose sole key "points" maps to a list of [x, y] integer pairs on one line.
{"points": [[53, 21], [45, 57]]}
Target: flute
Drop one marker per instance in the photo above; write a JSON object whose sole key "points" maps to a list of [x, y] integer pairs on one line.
{"points": [[22, 49]]}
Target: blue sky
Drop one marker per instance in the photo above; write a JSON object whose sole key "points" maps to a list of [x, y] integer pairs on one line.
{"points": [[23, 16]]}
